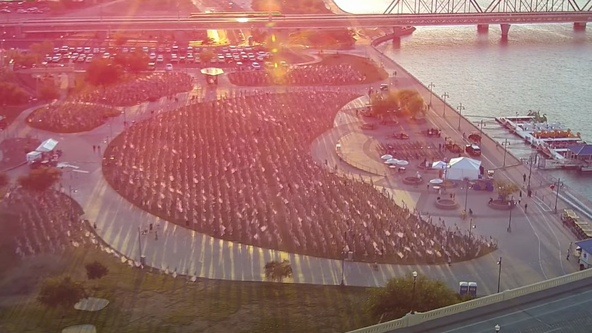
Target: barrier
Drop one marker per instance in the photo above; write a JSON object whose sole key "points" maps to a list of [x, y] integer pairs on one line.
{"points": [[421, 318]]}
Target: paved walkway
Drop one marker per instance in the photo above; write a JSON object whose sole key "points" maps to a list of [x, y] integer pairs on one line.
{"points": [[532, 252]]}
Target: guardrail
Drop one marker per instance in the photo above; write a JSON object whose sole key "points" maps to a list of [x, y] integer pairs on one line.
{"points": [[420, 318]]}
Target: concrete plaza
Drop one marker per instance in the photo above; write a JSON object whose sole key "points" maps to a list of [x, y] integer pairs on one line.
{"points": [[534, 250]]}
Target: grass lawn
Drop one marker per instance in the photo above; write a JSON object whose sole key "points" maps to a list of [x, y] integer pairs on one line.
{"points": [[142, 301], [366, 66]]}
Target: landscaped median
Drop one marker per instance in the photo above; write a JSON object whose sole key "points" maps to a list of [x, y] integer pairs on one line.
{"points": [[71, 117]]}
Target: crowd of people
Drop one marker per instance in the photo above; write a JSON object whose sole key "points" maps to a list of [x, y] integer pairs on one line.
{"points": [[240, 169], [301, 75], [71, 117], [46, 222], [144, 89]]}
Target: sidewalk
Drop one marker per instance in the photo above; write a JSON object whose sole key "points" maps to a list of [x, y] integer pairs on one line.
{"points": [[188, 252]]}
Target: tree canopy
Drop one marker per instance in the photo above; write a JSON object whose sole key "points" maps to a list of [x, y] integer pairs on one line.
{"points": [[40, 179], [398, 298], [406, 101], [3, 179], [505, 188], [278, 271], [60, 292], [96, 270], [103, 72], [11, 94], [134, 62], [42, 48]]}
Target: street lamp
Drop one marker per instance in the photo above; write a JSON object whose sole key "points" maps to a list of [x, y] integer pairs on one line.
{"points": [[557, 193], [444, 97], [505, 152], [511, 205], [343, 268], [460, 108], [466, 193], [413, 295], [497, 328], [431, 86], [499, 274]]}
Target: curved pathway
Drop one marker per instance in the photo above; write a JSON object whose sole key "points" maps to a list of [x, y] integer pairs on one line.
{"points": [[533, 252]]}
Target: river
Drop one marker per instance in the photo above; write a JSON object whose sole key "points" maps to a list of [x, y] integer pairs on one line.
{"points": [[541, 67]]}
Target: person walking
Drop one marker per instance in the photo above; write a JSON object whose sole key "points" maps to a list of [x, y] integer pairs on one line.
{"points": [[94, 148], [525, 208]]}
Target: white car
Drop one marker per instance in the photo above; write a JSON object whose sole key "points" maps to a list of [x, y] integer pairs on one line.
{"points": [[152, 56], [168, 67], [256, 66], [160, 58]]}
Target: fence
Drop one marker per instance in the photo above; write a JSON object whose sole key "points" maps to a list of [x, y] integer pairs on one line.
{"points": [[420, 318]]}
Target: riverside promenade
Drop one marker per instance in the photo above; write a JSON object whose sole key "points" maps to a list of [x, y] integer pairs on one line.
{"points": [[534, 251]]}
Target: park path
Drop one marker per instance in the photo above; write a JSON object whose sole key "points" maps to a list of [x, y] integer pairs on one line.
{"points": [[188, 252]]}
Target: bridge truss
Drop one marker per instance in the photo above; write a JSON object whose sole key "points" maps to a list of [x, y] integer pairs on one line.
{"points": [[495, 6]]}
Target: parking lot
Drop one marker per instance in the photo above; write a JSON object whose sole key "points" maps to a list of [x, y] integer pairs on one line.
{"points": [[237, 57]]}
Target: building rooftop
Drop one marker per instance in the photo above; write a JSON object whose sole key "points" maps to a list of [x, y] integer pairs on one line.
{"points": [[581, 149], [586, 245]]}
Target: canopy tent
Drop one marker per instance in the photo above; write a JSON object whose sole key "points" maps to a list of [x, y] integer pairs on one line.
{"points": [[439, 165], [47, 145], [212, 71], [463, 167]]}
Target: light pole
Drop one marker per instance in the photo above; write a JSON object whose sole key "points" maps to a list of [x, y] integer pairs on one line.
{"points": [[431, 86], [466, 193], [499, 274], [460, 109], [413, 294], [343, 269], [530, 162], [444, 97], [505, 152], [511, 205], [140, 246], [497, 328], [557, 193]]}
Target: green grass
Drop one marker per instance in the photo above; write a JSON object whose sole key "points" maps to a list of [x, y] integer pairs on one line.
{"points": [[12, 111], [142, 301]]}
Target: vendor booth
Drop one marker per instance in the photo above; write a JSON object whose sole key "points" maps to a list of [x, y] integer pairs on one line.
{"points": [[47, 146], [463, 168]]}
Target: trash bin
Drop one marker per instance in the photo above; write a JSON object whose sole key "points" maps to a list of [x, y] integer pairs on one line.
{"points": [[143, 260]]}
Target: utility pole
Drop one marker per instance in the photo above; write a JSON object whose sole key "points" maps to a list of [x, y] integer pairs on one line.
{"points": [[511, 205], [530, 162], [140, 244]]}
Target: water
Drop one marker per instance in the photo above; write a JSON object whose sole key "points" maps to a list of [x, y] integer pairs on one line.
{"points": [[541, 67]]}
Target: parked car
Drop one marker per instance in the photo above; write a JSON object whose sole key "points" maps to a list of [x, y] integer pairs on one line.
{"points": [[169, 67]]}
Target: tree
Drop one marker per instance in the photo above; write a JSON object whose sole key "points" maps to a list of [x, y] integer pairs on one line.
{"points": [[48, 91], [60, 292], [408, 100], [96, 270], [11, 94], [102, 72], [40, 179], [278, 271], [3, 179], [398, 297], [206, 56], [120, 39], [137, 61], [42, 48], [505, 188]]}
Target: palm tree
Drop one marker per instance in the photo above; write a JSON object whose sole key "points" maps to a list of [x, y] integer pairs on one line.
{"points": [[278, 271]]}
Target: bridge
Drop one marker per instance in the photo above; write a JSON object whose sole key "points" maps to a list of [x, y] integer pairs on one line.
{"points": [[398, 13]]}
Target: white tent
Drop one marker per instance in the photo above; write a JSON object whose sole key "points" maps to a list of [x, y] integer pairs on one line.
{"points": [[47, 145], [463, 167]]}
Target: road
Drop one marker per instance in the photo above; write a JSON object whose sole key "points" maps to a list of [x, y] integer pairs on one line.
{"points": [[293, 21], [571, 312]]}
